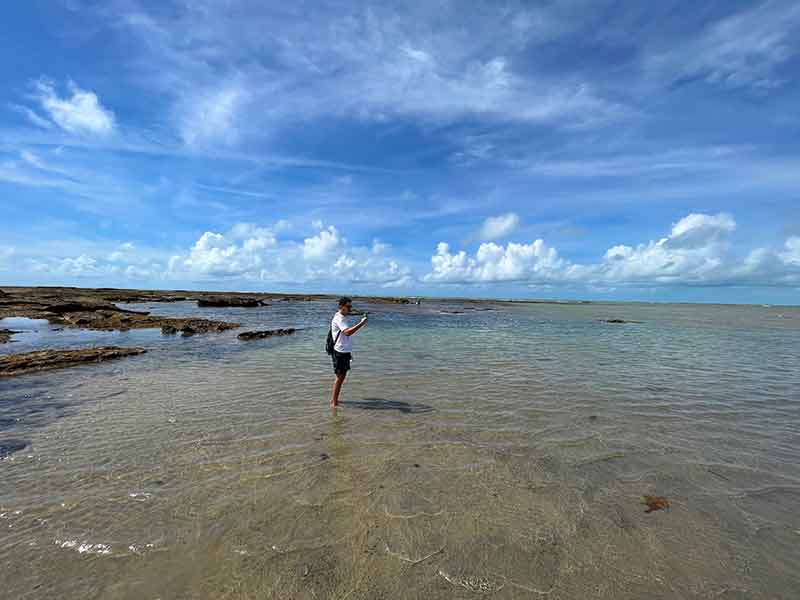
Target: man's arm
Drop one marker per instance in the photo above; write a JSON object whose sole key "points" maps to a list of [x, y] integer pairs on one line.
{"points": [[354, 328]]}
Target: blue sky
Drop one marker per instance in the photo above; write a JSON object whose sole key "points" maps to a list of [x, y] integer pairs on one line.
{"points": [[564, 149]]}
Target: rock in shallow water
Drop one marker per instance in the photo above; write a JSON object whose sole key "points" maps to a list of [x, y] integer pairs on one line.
{"points": [[5, 335], [8, 447], [231, 302], [32, 362], [255, 335], [617, 321]]}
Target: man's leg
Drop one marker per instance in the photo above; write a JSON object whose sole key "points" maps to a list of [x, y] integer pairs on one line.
{"points": [[337, 386]]}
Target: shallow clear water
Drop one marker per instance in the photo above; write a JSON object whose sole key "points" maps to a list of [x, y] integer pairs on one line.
{"points": [[500, 452]]}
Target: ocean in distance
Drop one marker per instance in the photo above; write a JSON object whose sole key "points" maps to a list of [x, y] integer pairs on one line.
{"points": [[482, 449]]}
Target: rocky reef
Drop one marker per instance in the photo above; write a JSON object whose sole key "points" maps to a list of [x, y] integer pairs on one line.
{"points": [[257, 335], [45, 360], [92, 309], [231, 301], [5, 335]]}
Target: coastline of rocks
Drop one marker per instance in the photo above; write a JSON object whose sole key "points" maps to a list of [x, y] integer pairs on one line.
{"points": [[95, 309], [99, 309]]}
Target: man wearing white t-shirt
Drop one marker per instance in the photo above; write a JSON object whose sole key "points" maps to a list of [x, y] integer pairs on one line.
{"points": [[343, 344]]}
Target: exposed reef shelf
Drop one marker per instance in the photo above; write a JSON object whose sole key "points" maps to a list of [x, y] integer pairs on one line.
{"points": [[95, 309], [231, 302], [45, 360], [257, 335]]}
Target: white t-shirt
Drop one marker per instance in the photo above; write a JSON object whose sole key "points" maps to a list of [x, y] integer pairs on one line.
{"points": [[345, 342]]}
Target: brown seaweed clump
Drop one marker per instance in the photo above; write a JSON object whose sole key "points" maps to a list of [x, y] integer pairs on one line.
{"points": [[655, 503]]}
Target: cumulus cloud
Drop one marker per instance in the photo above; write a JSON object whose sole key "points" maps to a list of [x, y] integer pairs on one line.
{"points": [[80, 111], [697, 251], [245, 252], [323, 245], [239, 252], [499, 226], [125, 262], [252, 252], [533, 262], [694, 251]]}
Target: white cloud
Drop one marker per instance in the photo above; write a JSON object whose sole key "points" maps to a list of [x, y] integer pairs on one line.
{"points": [[323, 245], [744, 49], [533, 262], [791, 253], [80, 266], [697, 251], [125, 252], [694, 251], [499, 226], [212, 116], [33, 116], [255, 253], [240, 252], [79, 112], [377, 63], [32, 159], [379, 247]]}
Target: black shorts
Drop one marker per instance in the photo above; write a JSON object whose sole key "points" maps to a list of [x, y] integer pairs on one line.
{"points": [[341, 362]]}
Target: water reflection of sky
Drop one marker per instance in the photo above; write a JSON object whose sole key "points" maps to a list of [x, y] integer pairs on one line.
{"points": [[38, 334]]}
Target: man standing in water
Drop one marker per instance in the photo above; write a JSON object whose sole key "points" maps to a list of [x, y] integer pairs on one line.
{"points": [[343, 345]]}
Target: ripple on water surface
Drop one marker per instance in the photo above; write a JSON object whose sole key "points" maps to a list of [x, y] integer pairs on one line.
{"points": [[503, 453]]}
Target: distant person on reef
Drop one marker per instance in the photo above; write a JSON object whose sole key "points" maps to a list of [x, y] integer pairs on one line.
{"points": [[342, 344]]}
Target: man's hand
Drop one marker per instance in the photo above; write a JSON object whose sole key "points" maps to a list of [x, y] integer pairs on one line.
{"points": [[365, 318], [356, 327]]}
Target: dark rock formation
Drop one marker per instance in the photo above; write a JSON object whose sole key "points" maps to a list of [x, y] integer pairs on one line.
{"points": [[255, 335], [70, 307], [617, 321], [92, 309], [8, 447], [169, 330], [32, 362], [5, 335], [231, 302]]}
